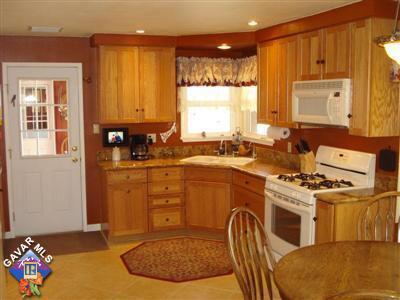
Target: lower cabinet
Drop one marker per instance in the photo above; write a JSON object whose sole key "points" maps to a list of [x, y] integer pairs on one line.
{"points": [[208, 197], [248, 191], [127, 213], [208, 204]]}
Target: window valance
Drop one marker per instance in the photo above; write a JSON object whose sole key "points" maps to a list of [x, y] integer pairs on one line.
{"points": [[216, 71]]}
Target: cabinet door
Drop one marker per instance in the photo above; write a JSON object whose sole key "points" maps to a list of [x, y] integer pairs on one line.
{"points": [[267, 83], [309, 51], [207, 204], [287, 73], [324, 229], [246, 198], [127, 209], [157, 84], [336, 52], [118, 84], [360, 74]]}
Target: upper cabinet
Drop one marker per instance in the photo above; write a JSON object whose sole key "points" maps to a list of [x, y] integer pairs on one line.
{"points": [[375, 97], [277, 69], [325, 54], [136, 84], [157, 84]]}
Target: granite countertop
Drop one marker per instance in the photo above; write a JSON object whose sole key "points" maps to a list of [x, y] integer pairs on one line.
{"points": [[256, 168], [349, 196]]}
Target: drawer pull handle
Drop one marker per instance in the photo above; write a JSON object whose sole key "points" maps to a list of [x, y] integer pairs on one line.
{"points": [[166, 188], [128, 191], [167, 220], [246, 182], [166, 174], [246, 204], [128, 177], [167, 201]]}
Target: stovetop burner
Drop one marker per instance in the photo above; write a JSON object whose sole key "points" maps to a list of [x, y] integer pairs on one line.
{"points": [[315, 181]]}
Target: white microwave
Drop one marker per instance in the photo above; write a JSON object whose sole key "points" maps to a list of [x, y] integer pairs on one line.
{"points": [[325, 102]]}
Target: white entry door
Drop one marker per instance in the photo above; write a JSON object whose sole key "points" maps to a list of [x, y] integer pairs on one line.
{"points": [[43, 144]]}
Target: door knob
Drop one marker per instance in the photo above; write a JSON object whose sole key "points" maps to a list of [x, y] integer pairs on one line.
{"points": [[74, 159], [74, 148]]}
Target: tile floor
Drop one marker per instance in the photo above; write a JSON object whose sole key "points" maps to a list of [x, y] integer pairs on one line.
{"points": [[102, 275]]}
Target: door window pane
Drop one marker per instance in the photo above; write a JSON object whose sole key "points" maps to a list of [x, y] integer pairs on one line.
{"points": [[43, 117]]}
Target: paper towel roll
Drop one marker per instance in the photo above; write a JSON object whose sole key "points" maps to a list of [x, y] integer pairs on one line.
{"points": [[278, 133]]}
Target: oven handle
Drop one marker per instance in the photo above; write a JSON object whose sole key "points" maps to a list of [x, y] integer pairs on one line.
{"points": [[293, 207]]}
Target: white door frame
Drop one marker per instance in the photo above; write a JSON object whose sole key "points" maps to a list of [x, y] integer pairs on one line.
{"points": [[78, 66]]}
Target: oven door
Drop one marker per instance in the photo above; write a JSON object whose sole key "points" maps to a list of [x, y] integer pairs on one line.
{"points": [[288, 223]]}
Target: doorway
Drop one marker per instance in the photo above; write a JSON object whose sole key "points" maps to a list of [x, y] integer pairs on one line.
{"points": [[43, 119]]}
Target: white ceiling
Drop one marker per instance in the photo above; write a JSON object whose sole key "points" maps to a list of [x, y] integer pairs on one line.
{"points": [[157, 17]]}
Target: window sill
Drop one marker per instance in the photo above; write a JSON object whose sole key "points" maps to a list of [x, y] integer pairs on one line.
{"points": [[263, 141], [205, 139]]}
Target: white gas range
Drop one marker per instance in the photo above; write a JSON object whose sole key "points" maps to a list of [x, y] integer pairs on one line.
{"points": [[290, 199]]}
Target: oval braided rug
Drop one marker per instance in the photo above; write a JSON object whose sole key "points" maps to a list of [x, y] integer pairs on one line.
{"points": [[178, 259]]}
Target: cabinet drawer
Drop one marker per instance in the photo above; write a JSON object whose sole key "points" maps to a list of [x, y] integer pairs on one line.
{"points": [[249, 182], [163, 201], [246, 198], [208, 174], [127, 176], [165, 187], [165, 174], [167, 218]]}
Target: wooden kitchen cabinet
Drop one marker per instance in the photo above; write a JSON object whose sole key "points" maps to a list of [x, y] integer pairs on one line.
{"points": [[157, 84], [128, 209], [325, 53], [248, 191], [207, 197], [136, 84], [124, 202], [118, 91], [375, 97], [277, 69]]}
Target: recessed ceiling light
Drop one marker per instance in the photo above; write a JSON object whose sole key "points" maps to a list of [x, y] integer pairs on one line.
{"points": [[140, 31], [224, 47], [252, 23], [48, 29]]}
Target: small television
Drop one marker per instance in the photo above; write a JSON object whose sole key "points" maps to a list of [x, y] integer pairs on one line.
{"points": [[115, 137]]}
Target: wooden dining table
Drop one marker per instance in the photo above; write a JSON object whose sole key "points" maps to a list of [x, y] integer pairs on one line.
{"points": [[324, 270]]}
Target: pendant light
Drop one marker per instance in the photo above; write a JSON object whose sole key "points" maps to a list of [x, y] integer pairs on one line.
{"points": [[391, 43]]}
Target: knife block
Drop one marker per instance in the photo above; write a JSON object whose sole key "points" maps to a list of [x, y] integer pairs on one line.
{"points": [[307, 162]]}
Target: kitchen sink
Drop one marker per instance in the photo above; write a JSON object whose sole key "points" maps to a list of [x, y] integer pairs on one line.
{"points": [[218, 160]]}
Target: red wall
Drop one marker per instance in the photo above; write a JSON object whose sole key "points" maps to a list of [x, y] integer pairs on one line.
{"points": [[38, 49]]}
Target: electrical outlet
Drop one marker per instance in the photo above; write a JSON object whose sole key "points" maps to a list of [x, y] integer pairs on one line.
{"points": [[152, 136], [289, 147], [96, 128]]}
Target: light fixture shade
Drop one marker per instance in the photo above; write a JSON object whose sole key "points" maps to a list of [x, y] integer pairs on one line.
{"points": [[393, 50]]}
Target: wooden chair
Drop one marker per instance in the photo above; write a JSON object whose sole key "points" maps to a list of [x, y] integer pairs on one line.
{"points": [[376, 220], [367, 295], [250, 252]]}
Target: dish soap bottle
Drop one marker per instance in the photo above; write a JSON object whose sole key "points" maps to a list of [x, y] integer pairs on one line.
{"points": [[116, 154]]}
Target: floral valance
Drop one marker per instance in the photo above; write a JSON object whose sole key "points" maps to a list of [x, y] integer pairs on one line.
{"points": [[216, 71]]}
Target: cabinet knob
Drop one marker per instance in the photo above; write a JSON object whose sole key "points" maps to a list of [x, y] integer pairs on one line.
{"points": [[167, 220], [349, 116], [322, 61], [128, 191], [167, 201], [315, 219], [318, 62], [246, 204], [142, 109], [166, 188], [137, 109], [246, 182], [166, 174], [128, 177]]}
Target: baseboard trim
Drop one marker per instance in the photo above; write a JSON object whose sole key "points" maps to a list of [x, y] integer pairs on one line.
{"points": [[93, 227], [8, 235]]}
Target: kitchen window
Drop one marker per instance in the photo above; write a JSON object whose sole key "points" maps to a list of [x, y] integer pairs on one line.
{"points": [[210, 113]]}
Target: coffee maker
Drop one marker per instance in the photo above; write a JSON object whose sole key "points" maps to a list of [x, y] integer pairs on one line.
{"points": [[139, 147]]}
